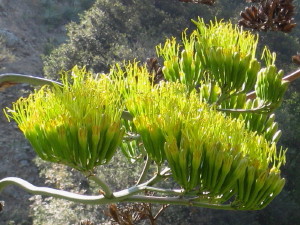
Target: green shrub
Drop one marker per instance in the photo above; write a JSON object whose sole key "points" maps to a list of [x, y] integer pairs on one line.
{"points": [[113, 31]]}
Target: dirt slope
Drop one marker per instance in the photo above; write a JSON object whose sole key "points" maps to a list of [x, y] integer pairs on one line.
{"points": [[22, 30], [24, 35]]}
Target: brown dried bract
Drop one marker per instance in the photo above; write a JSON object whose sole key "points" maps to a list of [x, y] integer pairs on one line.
{"points": [[155, 70], [6, 84], [129, 214], [274, 15], [1, 206], [296, 59]]}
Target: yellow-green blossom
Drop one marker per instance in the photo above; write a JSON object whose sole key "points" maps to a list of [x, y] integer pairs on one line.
{"points": [[77, 124]]}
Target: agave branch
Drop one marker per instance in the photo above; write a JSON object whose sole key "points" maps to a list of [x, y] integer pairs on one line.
{"points": [[178, 201], [106, 198], [159, 176], [107, 192], [127, 195], [293, 76], [172, 192], [9, 79]]}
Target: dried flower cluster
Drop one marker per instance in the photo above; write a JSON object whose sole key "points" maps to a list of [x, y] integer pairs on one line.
{"points": [[86, 222], [129, 214], [274, 15]]}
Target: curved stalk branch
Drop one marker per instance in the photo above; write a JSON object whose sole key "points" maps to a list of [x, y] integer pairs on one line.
{"points": [[51, 192], [99, 199], [143, 176], [107, 192], [127, 195], [293, 76], [14, 78], [158, 177], [177, 201], [175, 192]]}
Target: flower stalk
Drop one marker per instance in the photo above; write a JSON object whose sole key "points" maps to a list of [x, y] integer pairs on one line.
{"points": [[127, 195]]}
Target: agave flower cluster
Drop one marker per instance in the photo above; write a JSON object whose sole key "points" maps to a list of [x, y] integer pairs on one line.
{"points": [[192, 120], [77, 124], [208, 153]]}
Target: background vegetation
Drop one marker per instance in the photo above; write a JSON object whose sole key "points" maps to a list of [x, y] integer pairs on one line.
{"points": [[56, 13]]}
